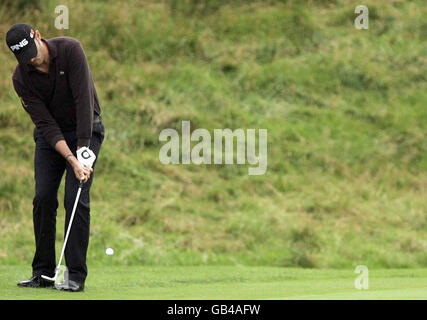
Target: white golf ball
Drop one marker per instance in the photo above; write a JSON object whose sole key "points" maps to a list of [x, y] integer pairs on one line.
{"points": [[109, 252]]}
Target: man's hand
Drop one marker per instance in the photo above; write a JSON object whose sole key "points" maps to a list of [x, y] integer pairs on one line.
{"points": [[86, 157], [81, 172]]}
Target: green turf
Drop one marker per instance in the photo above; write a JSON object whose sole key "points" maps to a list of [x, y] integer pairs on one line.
{"points": [[110, 282]]}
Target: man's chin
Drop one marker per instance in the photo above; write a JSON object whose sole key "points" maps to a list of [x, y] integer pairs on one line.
{"points": [[34, 64]]}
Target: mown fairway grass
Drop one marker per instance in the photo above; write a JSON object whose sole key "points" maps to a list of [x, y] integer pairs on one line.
{"points": [[175, 283]]}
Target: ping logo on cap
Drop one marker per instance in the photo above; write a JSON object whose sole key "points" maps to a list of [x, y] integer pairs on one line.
{"points": [[19, 45]]}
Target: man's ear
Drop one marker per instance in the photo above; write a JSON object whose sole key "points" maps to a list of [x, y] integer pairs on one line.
{"points": [[38, 35]]}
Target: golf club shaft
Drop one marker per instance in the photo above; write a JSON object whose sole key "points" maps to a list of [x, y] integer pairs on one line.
{"points": [[69, 226]]}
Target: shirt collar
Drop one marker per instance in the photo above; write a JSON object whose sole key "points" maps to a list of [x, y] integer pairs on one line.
{"points": [[52, 48]]}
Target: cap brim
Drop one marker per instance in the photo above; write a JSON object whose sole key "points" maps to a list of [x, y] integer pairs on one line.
{"points": [[28, 54]]}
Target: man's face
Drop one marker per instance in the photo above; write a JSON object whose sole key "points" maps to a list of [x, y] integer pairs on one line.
{"points": [[38, 60]]}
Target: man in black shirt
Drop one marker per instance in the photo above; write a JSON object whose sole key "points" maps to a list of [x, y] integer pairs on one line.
{"points": [[55, 85]]}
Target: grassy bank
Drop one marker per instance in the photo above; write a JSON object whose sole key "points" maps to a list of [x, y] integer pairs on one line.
{"points": [[345, 111]]}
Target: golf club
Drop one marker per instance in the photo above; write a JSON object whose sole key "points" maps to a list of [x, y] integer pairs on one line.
{"points": [[86, 157], [66, 236]]}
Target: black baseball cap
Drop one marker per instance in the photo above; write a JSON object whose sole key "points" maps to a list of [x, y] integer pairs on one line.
{"points": [[20, 40]]}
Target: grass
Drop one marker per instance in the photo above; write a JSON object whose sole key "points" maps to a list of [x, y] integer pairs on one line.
{"points": [[225, 283], [345, 114]]}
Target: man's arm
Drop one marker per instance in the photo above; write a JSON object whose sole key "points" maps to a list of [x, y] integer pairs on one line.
{"points": [[81, 85], [49, 129], [39, 114]]}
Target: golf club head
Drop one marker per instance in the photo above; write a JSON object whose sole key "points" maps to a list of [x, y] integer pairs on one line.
{"points": [[61, 274], [49, 279]]}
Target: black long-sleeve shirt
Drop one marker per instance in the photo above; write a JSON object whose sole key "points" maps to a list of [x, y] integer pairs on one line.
{"points": [[64, 99]]}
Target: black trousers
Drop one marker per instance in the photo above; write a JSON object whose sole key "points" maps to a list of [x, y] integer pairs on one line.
{"points": [[49, 167]]}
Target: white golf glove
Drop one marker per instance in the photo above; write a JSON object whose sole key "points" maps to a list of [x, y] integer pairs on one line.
{"points": [[86, 157]]}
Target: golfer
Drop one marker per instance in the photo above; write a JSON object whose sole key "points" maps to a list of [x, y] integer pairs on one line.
{"points": [[55, 85]]}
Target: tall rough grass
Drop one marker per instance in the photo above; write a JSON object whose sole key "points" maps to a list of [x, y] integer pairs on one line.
{"points": [[344, 109]]}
